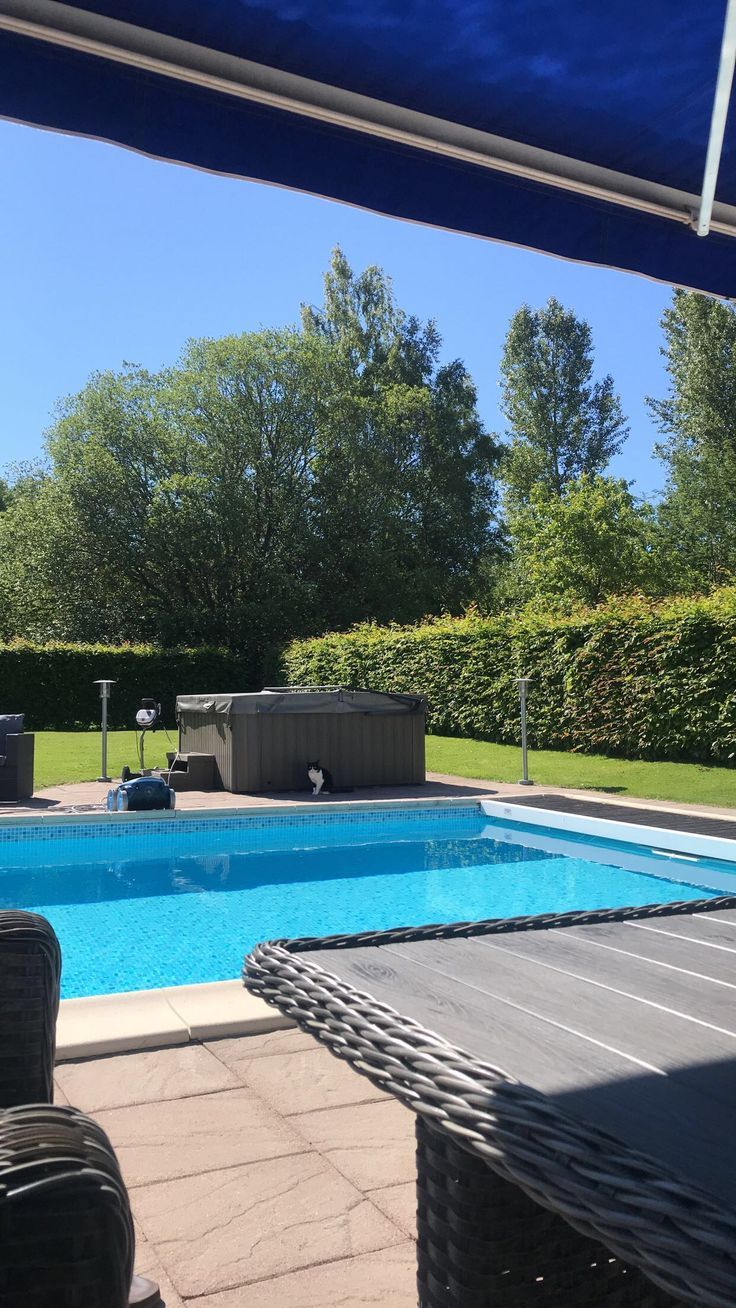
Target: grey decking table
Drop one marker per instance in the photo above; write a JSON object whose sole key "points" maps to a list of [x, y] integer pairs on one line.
{"points": [[625, 1033]]}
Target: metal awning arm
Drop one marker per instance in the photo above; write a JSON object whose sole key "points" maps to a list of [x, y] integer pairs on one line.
{"points": [[721, 101]]}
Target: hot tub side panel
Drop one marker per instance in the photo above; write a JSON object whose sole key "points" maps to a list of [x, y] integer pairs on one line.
{"points": [[359, 749], [270, 751], [247, 736]]}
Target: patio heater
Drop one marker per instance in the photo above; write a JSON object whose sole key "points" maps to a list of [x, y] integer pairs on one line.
{"points": [[104, 684], [523, 684]]}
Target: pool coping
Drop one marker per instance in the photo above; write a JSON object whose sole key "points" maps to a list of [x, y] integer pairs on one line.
{"points": [[671, 838], [252, 811], [150, 1019]]}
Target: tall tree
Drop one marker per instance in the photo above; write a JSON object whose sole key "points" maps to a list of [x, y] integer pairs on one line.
{"points": [[379, 341], [406, 478], [697, 420], [561, 422], [175, 508]]}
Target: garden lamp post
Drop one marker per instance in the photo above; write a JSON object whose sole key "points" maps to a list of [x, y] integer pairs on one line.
{"points": [[523, 684], [104, 684]]}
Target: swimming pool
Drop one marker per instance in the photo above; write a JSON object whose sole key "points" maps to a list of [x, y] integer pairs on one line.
{"points": [[145, 904]]}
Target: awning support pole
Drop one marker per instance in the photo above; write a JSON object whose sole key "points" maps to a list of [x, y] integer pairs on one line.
{"points": [[721, 102]]}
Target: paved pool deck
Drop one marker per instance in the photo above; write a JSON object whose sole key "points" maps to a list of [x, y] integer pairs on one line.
{"points": [[86, 796], [262, 1172]]}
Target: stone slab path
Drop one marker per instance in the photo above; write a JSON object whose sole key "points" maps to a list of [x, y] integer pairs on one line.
{"points": [[262, 1172], [91, 795]]}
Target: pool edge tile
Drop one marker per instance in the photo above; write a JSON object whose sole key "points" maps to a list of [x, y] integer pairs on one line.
{"points": [[223, 1008], [271, 809], [107, 1024], [150, 1019]]}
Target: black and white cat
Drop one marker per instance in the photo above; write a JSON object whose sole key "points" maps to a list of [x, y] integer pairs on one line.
{"points": [[321, 779]]}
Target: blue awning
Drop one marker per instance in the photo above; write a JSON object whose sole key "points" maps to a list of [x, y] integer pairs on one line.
{"points": [[577, 129]]}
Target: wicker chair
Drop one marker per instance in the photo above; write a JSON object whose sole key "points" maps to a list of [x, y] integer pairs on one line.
{"points": [[66, 1231], [16, 758], [30, 973]]}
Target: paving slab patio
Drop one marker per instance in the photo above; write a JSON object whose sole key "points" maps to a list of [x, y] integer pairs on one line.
{"points": [[151, 1076], [260, 1170], [302, 1081], [89, 797]]}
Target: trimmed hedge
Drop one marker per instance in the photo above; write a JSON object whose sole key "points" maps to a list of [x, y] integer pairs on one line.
{"points": [[635, 678], [53, 684]]}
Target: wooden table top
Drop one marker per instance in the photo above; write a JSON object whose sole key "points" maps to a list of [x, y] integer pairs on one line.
{"points": [[628, 1026]]}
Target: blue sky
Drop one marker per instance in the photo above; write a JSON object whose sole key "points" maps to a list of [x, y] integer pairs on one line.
{"points": [[109, 256]]}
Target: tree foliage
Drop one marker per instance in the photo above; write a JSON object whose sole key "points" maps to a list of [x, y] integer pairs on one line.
{"points": [[172, 509], [279, 483], [405, 479], [562, 423], [697, 420], [591, 542], [269, 484]]}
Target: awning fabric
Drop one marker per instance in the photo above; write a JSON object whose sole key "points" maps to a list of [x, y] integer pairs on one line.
{"points": [[517, 122]]}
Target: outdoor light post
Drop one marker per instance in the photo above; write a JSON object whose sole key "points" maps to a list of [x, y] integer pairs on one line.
{"points": [[104, 685], [523, 684]]}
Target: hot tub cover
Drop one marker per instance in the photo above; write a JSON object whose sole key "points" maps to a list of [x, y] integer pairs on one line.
{"points": [[296, 700]]}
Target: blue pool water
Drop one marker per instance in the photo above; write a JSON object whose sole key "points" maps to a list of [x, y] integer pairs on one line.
{"points": [[149, 904]]}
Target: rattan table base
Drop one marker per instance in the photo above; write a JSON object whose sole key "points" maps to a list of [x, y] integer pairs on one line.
{"points": [[481, 1243]]}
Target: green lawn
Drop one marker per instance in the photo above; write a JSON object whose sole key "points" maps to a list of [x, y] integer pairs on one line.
{"points": [[75, 756], [691, 783]]}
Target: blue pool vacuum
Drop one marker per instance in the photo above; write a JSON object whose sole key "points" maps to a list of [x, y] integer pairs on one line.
{"points": [[140, 794]]}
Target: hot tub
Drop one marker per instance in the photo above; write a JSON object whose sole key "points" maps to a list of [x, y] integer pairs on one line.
{"points": [[264, 741]]}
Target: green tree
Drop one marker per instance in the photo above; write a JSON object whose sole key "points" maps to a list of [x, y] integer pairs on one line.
{"points": [[359, 315], [406, 477], [41, 555], [270, 484], [561, 422], [697, 420], [591, 542], [176, 508]]}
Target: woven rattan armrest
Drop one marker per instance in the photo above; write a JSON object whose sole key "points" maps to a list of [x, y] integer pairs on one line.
{"points": [[30, 972], [66, 1231]]}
